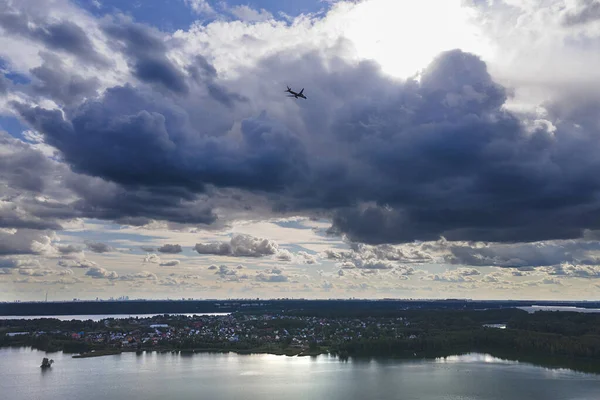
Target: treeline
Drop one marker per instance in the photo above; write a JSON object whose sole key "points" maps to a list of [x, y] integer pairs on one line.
{"points": [[48, 342], [423, 317], [480, 340], [560, 322]]}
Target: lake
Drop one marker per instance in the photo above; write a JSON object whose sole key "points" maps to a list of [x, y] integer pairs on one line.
{"points": [[258, 377]]}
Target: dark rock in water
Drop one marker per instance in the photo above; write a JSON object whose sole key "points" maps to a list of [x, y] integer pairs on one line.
{"points": [[46, 363]]}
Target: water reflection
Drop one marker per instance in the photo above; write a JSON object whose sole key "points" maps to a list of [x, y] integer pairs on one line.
{"points": [[221, 376], [472, 358]]}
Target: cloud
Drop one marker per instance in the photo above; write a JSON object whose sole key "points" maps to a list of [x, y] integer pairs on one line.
{"points": [[326, 285], [184, 135], [200, 6], [101, 273], [452, 126], [271, 278], [551, 281], [146, 52], [246, 13], [68, 249], [575, 271], [26, 241], [98, 247], [143, 275], [152, 258], [171, 263], [13, 262], [62, 35], [39, 272], [228, 274], [55, 82], [454, 276], [301, 257], [407, 253], [584, 12], [515, 255], [240, 245], [83, 263], [170, 248]]}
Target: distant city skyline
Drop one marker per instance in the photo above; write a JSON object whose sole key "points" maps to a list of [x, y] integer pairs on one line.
{"points": [[445, 149]]}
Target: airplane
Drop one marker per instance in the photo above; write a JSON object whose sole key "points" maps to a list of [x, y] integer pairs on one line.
{"points": [[294, 94]]}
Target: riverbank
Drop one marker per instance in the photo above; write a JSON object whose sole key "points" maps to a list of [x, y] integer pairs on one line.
{"points": [[578, 364], [290, 352], [98, 353]]}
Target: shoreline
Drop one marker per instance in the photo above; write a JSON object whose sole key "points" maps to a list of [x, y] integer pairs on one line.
{"points": [[583, 365], [284, 352]]}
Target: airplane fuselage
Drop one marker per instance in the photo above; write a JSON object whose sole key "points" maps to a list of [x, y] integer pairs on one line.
{"points": [[295, 94]]}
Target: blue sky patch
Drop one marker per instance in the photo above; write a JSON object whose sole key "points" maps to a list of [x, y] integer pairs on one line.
{"points": [[171, 15]]}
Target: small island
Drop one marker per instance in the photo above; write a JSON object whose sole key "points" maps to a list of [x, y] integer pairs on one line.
{"points": [[46, 363], [561, 339]]}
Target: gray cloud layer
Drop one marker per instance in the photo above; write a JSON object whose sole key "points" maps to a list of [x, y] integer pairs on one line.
{"points": [[391, 161]]}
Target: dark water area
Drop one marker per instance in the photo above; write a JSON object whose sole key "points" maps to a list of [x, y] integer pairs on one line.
{"points": [[254, 377]]}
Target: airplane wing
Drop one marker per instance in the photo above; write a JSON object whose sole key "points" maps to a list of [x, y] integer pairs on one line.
{"points": [[301, 91]]}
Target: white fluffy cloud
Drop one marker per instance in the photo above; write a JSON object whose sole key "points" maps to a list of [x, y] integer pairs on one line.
{"points": [[101, 273], [239, 246]]}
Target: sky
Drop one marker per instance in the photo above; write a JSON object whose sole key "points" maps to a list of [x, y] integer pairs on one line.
{"points": [[446, 149]]}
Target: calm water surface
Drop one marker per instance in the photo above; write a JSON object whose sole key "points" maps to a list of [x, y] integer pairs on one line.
{"points": [[253, 377]]}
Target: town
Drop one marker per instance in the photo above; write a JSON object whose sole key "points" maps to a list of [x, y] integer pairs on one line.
{"points": [[274, 333], [565, 337]]}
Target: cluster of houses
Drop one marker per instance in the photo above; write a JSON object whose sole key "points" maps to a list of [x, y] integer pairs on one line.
{"points": [[294, 331]]}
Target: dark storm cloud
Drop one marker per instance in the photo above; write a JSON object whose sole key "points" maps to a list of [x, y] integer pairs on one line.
{"points": [[205, 73], [452, 163], [28, 176], [55, 82], [134, 137], [134, 204], [12, 217], [62, 35], [20, 166], [147, 52], [393, 161]]}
